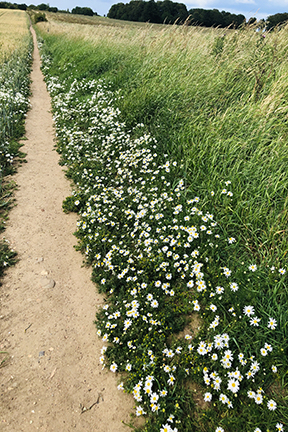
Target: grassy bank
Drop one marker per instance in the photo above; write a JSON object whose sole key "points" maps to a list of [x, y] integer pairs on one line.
{"points": [[179, 162], [216, 100]]}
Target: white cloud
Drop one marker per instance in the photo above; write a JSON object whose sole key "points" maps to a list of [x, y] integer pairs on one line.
{"points": [[279, 2], [201, 4], [246, 1]]}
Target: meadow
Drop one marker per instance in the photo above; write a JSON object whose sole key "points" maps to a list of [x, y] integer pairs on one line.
{"points": [[15, 63], [176, 141]]}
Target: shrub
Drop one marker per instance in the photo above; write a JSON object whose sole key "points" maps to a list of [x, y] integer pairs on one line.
{"points": [[39, 17]]}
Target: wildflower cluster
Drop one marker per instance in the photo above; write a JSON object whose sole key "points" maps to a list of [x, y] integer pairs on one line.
{"points": [[14, 103], [155, 254]]}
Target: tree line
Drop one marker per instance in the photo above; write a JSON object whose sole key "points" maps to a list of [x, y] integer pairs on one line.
{"points": [[171, 12], [45, 7], [276, 20]]}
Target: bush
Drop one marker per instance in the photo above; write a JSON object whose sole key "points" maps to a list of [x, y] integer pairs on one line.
{"points": [[83, 11], [39, 17]]}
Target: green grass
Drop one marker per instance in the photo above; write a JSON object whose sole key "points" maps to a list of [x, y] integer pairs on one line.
{"points": [[222, 114], [216, 104]]}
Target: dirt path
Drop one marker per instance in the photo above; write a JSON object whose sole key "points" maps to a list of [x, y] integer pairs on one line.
{"points": [[54, 370]]}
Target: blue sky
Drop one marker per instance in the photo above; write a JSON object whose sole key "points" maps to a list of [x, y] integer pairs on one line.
{"points": [[258, 8]]}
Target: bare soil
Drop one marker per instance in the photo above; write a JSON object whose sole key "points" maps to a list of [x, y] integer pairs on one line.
{"points": [[52, 380]]}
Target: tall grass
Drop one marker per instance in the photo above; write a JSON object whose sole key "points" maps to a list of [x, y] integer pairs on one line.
{"points": [[222, 111], [214, 101], [96, 20]]}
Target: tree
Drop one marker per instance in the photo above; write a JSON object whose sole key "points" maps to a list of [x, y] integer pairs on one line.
{"points": [[214, 18], [136, 10], [82, 11], [261, 24], [197, 16], [171, 12], [237, 20], [252, 21], [276, 20], [113, 11], [151, 13], [43, 7], [39, 17], [166, 11], [22, 6]]}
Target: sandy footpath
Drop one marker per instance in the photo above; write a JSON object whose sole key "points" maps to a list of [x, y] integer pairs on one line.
{"points": [[53, 380]]}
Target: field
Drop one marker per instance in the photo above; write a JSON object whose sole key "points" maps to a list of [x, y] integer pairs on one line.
{"points": [[93, 21], [175, 138], [10, 39], [15, 60]]}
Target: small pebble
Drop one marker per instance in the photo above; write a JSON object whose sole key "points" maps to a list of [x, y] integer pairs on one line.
{"points": [[47, 283]]}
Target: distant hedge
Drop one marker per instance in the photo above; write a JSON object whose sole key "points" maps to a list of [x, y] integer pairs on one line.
{"points": [[46, 7]]}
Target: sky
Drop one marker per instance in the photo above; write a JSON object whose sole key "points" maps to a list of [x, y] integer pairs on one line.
{"points": [[249, 8]]}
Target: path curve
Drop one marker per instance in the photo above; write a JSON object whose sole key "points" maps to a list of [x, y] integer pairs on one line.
{"points": [[53, 376]]}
